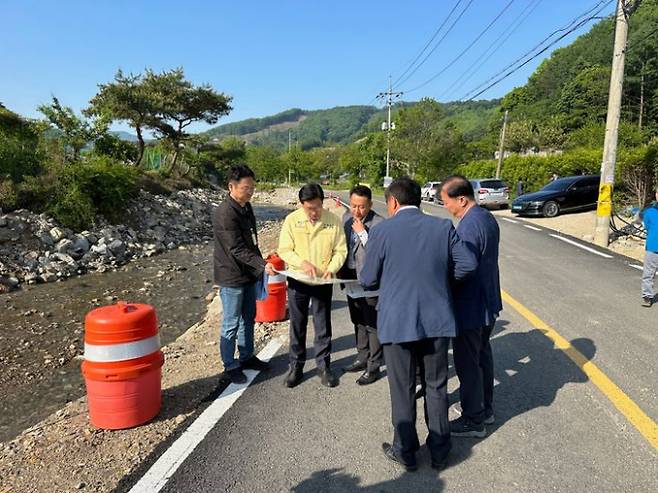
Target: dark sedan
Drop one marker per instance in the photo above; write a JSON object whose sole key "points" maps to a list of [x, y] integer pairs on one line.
{"points": [[572, 193]]}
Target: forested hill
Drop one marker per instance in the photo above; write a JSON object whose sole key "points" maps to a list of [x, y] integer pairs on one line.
{"points": [[342, 124]]}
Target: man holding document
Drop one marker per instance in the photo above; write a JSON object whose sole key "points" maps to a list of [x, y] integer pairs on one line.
{"points": [[312, 243]]}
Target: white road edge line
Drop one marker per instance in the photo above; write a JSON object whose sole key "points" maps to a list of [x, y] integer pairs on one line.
{"points": [[509, 220], [531, 227], [638, 267], [574, 243], [165, 467]]}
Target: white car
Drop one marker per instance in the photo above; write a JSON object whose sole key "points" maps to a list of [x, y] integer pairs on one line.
{"points": [[491, 192], [431, 191]]}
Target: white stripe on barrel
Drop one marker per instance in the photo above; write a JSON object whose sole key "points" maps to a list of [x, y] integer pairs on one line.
{"points": [[121, 352]]}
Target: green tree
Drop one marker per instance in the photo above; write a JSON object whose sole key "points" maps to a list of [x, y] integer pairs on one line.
{"points": [[267, 163], [177, 103], [585, 97], [112, 146], [126, 99], [76, 132], [20, 153], [430, 145]]}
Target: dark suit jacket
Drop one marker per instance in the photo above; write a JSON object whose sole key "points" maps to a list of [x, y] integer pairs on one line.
{"points": [[477, 299], [371, 220], [412, 258], [237, 259]]}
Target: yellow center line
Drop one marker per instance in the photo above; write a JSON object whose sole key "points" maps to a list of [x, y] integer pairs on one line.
{"points": [[643, 423]]}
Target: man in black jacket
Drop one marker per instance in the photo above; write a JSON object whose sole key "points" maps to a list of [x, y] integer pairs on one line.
{"points": [[238, 264]]}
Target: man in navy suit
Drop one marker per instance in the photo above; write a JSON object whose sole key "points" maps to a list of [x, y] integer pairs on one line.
{"points": [[412, 259], [477, 305]]}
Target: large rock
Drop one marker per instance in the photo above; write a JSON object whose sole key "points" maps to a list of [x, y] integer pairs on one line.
{"points": [[3, 222], [47, 240], [100, 249], [57, 234], [79, 248], [118, 248], [63, 246], [62, 257]]}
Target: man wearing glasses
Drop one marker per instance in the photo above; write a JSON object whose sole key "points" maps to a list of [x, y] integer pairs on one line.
{"points": [[238, 263], [311, 242]]}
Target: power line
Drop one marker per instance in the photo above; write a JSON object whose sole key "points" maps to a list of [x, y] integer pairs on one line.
{"points": [[436, 33], [438, 43], [573, 25], [494, 47], [434, 77], [576, 27]]}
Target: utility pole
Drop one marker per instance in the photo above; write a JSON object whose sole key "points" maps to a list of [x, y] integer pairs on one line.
{"points": [[390, 95], [604, 204], [501, 147]]}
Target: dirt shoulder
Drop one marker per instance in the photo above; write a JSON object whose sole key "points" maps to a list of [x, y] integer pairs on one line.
{"points": [[581, 226], [65, 453]]}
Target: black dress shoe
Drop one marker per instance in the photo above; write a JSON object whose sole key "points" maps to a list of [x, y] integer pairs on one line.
{"points": [[294, 376], [439, 465], [254, 363], [390, 454], [356, 366], [369, 377], [327, 378], [236, 376]]}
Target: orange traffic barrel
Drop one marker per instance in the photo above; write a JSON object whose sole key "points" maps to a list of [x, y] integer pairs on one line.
{"points": [[122, 365], [273, 308]]}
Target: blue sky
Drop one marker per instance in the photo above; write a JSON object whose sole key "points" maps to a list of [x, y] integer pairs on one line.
{"points": [[268, 55]]}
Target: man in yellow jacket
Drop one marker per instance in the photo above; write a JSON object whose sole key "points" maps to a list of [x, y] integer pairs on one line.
{"points": [[312, 242]]}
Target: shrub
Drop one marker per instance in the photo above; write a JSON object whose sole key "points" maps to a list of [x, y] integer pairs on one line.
{"points": [[7, 195], [535, 171], [74, 209], [98, 185]]}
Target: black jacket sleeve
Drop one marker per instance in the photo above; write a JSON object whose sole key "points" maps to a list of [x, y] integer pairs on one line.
{"points": [[230, 233]]}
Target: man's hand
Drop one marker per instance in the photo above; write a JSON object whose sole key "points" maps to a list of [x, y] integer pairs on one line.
{"points": [[269, 269], [309, 269], [358, 226], [327, 275]]}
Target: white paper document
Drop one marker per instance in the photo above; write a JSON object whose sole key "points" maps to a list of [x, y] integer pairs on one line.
{"points": [[306, 279]]}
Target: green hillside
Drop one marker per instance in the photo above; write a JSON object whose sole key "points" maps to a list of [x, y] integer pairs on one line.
{"points": [[344, 124]]}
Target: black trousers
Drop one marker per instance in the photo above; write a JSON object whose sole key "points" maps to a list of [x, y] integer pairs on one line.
{"points": [[487, 367], [299, 296], [363, 313], [401, 363], [474, 366]]}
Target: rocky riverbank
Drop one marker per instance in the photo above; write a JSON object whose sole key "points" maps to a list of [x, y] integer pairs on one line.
{"points": [[35, 249]]}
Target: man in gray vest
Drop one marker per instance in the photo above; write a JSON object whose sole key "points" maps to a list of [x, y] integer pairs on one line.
{"points": [[362, 304]]}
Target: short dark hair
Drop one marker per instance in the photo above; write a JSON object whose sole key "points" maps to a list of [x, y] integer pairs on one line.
{"points": [[240, 171], [405, 190], [458, 186], [311, 191], [361, 191]]}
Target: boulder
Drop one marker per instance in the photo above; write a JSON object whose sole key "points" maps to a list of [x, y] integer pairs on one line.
{"points": [[118, 248], [63, 246], [57, 234]]}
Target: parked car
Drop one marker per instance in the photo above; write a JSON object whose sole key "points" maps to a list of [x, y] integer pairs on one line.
{"points": [[571, 193], [431, 191], [491, 192]]}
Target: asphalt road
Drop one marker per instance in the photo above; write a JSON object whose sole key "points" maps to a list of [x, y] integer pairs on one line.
{"points": [[556, 430]]}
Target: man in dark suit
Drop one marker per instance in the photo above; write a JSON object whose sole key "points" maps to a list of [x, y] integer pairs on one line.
{"points": [[362, 304], [477, 305], [412, 259]]}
